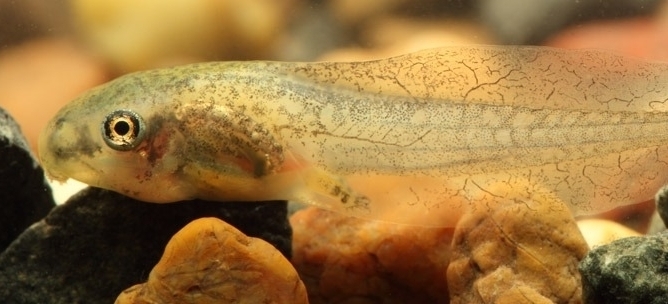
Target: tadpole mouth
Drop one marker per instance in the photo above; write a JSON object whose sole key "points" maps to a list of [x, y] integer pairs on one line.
{"points": [[54, 176]]}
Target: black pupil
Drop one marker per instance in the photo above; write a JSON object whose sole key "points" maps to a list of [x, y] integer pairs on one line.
{"points": [[122, 128]]}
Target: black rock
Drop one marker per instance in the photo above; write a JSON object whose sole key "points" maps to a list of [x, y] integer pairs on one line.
{"points": [[100, 243], [25, 196], [629, 270]]}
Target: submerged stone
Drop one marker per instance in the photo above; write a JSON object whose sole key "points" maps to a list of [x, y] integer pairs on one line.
{"points": [[629, 270], [517, 251], [209, 261], [25, 196], [349, 260], [99, 243]]}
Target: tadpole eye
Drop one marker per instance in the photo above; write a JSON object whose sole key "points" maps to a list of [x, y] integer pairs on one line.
{"points": [[123, 130]]}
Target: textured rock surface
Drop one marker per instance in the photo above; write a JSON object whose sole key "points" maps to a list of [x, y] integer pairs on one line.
{"points": [[209, 261], [99, 243], [24, 193], [348, 260], [630, 270], [516, 252]]}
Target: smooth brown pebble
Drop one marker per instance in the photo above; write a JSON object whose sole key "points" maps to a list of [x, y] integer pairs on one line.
{"points": [[209, 261], [349, 260], [516, 251]]}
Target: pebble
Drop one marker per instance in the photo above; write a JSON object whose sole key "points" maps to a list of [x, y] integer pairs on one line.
{"points": [[349, 260], [629, 270], [516, 251], [209, 261]]}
